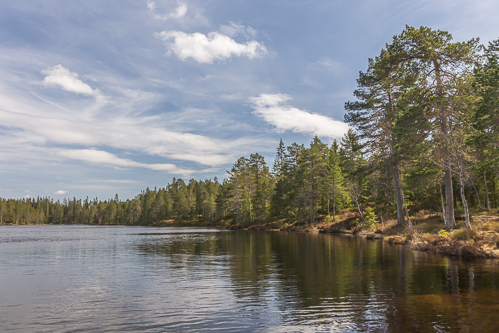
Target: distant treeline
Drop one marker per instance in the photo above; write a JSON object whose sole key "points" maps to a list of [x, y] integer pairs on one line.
{"points": [[425, 135]]}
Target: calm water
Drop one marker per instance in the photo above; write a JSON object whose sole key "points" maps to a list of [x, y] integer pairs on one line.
{"points": [[109, 279]]}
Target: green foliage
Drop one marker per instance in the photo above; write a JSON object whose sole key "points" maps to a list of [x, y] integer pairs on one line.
{"points": [[371, 219], [444, 233]]}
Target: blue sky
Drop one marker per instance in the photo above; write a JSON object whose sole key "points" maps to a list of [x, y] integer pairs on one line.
{"points": [[106, 97]]}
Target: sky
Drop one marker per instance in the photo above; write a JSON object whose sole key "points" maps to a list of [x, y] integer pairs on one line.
{"points": [[99, 98]]}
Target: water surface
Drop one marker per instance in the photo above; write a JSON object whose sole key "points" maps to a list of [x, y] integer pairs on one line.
{"points": [[109, 279]]}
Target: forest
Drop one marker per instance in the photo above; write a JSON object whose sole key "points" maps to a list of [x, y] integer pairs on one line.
{"points": [[423, 135]]}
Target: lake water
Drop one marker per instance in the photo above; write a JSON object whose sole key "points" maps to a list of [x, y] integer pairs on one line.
{"points": [[110, 279]]}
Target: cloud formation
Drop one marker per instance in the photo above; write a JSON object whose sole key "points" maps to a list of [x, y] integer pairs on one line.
{"points": [[104, 157], [209, 48], [179, 12], [60, 192], [274, 110], [67, 80], [139, 134]]}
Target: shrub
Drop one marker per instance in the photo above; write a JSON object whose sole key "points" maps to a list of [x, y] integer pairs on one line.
{"points": [[371, 220], [443, 233]]}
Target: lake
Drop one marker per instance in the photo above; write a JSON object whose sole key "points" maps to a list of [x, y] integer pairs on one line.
{"points": [[142, 279]]}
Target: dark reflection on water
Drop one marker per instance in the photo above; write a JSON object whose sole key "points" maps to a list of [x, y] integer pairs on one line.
{"points": [[108, 279]]}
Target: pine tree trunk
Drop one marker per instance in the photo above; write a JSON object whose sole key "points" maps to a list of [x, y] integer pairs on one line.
{"points": [[334, 209], [360, 211], [465, 204], [459, 165], [250, 210], [449, 195], [409, 222], [311, 215], [487, 202], [495, 194], [443, 205], [398, 193], [463, 198], [478, 197]]}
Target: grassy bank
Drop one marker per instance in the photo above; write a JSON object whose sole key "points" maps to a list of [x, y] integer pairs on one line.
{"points": [[427, 233]]}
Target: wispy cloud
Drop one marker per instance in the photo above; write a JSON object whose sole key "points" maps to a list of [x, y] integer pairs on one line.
{"points": [[103, 157], [179, 11], [273, 108], [209, 48], [144, 134], [151, 5], [67, 80], [60, 192]]}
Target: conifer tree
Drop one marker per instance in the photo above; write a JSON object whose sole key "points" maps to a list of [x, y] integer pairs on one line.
{"points": [[439, 64], [334, 181], [353, 166], [486, 116], [380, 99]]}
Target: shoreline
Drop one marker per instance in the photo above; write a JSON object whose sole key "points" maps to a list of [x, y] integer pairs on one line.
{"points": [[459, 242]]}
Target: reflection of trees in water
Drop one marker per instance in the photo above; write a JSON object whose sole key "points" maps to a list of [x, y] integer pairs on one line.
{"points": [[324, 279]]}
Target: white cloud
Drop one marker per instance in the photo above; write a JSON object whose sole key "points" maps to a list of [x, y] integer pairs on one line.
{"points": [[274, 110], [139, 134], [35, 120], [179, 11], [27, 196], [209, 48], [151, 5], [67, 80], [60, 192], [103, 157], [207, 159]]}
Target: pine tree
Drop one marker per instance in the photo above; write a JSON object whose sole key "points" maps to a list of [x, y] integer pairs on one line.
{"points": [[440, 65], [486, 116], [375, 114], [334, 182], [353, 166]]}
